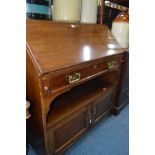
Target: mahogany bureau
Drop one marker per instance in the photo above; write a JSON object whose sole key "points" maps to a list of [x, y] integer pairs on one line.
{"points": [[72, 74]]}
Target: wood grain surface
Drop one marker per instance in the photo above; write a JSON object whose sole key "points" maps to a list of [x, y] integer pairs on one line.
{"points": [[61, 45]]}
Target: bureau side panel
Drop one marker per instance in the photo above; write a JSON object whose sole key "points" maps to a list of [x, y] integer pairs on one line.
{"points": [[122, 96], [33, 94]]}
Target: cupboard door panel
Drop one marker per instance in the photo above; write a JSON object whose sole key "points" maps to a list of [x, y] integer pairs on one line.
{"points": [[65, 134], [102, 106]]}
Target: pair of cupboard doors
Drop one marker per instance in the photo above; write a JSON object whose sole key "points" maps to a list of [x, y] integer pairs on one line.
{"points": [[76, 124]]}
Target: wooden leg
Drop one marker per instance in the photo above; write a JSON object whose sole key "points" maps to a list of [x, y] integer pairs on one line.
{"points": [[49, 142]]}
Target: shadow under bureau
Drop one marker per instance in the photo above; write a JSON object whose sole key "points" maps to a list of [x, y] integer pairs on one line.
{"points": [[72, 74]]}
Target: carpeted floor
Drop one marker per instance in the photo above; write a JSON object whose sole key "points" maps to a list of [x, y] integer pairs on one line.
{"points": [[108, 137]]}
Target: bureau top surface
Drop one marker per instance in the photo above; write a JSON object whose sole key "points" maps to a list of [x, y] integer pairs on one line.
{"points": [[54, 46]]}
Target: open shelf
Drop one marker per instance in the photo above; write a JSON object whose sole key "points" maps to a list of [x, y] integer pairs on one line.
{"points": [[76, 98]]}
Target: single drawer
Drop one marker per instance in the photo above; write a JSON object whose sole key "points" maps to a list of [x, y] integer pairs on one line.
{"points": [[84, 73], [77, 75]]}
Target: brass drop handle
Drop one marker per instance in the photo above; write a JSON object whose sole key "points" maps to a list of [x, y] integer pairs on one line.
{"points": [[111, 65], [74, 78]]}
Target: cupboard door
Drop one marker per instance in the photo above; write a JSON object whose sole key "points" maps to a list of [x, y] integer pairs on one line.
{"points": [[70, 129], [101, 107]]}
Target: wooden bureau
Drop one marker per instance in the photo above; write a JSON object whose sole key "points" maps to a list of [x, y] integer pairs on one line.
{"points": [[72, 75]]}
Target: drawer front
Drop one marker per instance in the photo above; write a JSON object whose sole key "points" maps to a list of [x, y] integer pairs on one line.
{"points": [[63, 80], [88, 72]]}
